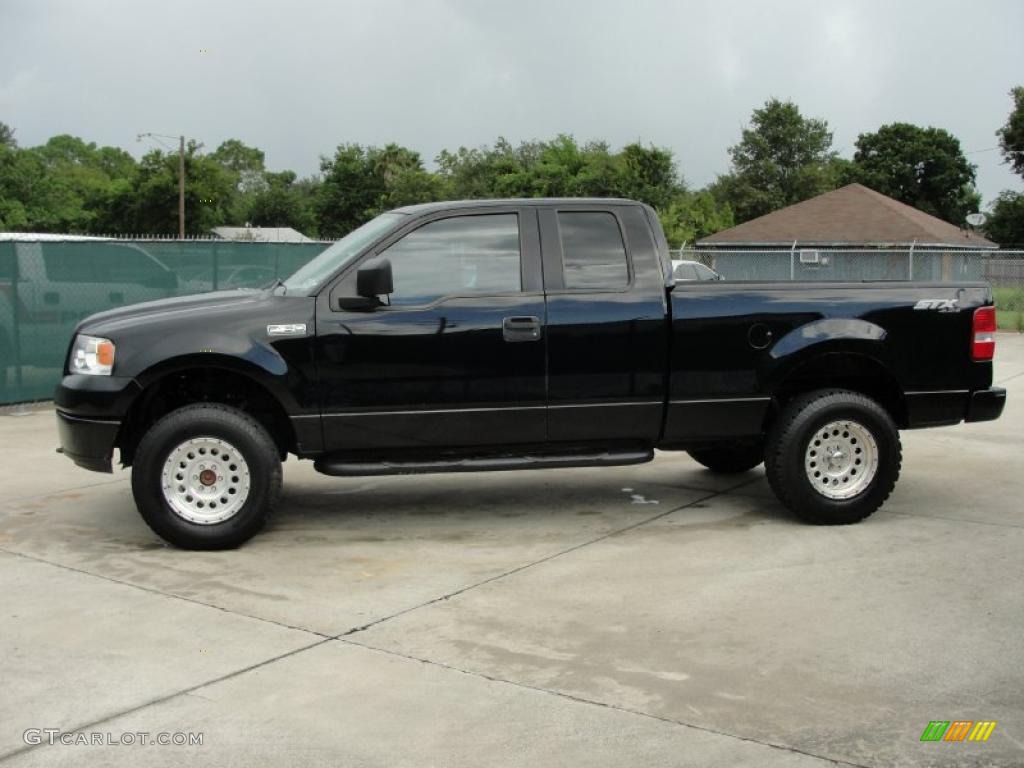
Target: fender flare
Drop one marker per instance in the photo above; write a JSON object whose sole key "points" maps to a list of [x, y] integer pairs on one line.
{"points": [[269, 377], [857, 341], [829, 329]]}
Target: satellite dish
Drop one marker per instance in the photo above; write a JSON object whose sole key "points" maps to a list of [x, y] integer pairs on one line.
{"points": [[976, 219]]}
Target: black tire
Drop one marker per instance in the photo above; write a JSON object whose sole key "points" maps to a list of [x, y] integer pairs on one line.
{"points": [[789, 441], [729, 459], [238, 429]]}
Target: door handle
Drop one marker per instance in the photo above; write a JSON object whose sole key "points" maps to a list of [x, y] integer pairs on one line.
{"points": [[520, 328]]}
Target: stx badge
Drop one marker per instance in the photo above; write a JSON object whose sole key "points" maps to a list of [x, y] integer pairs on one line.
{"points": [[940, 305]]}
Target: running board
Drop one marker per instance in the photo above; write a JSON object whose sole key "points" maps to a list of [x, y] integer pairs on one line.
{"points": [[346, 467]]}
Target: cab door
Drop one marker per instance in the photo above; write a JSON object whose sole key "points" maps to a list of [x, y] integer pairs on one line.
{"points": [[457, 358], [607, 327]]}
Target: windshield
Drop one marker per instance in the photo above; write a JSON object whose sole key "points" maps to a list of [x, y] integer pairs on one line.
{"points": [[312, 274]]}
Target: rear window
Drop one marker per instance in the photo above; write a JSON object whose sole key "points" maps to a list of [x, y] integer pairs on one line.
{"points": [[686, 272], [100, 263], [593, 254], [705, 273]]}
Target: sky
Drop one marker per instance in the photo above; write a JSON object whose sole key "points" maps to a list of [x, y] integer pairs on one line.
{"points": [[297, 78]]}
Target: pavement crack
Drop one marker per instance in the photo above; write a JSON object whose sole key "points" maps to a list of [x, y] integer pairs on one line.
{"points": [[603, 704], [548, 558], [14, 499], [959, 520], [154, 591], [1010, 378], [167, 697]]}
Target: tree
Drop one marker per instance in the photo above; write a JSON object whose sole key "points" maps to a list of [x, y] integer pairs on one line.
{"points": [[349, 193], [25, 192], [246, 164], [211, 193], [781, 159], [360, 182], [922, 167], [63, 186], [283, 203], [561, 168], [7, 136], [1011, 135], [1005, 224], [87, 179], [235, 155], [15, 179], [648, 174], [694, 215]]}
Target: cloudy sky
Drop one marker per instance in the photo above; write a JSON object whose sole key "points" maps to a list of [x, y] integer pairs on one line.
{"points": [[297, 78]]}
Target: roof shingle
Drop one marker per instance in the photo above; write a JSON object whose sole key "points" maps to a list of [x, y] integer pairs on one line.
{"points": [[853, 215]]}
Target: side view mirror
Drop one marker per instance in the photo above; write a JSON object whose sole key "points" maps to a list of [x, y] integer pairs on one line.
{"points": [[374, 278]]}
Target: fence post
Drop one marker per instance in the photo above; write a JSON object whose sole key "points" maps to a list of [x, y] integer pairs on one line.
{"points": [[910, 261], [16, 324], [792, 261], [215, 266]]}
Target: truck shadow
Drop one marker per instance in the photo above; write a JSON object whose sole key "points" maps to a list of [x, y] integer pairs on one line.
{"points": [[496, 496]]}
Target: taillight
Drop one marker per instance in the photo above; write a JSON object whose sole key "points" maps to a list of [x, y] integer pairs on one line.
{"points": [[983, 343]]}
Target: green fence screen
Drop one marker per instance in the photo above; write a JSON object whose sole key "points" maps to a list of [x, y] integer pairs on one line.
{"points": [[47, 287]]}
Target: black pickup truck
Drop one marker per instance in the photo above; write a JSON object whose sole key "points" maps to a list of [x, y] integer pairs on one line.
{"points": [[517, 334]]}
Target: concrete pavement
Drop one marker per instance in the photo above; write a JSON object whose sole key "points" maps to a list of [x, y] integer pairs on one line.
{"points": [[651, 615]]}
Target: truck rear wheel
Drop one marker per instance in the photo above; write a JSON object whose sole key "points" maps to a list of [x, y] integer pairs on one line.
{"points": [[206, 476], [833, 457], [729, 459]]}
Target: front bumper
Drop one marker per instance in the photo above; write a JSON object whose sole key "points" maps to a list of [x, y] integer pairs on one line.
{"points": [[90, 410], [986, 404], [87, 442]]}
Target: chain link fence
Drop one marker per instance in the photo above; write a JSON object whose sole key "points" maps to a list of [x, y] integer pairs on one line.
{"points": [[48, 286], [1004, 269]]}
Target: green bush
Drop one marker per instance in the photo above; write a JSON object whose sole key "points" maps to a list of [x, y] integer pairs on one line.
{"points": [[1009, 308], [1010, 298]]}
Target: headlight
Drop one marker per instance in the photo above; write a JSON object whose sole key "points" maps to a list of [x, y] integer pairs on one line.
{"points": [[93, 355]]}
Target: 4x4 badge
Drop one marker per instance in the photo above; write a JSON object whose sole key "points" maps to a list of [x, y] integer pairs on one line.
{"points": [[287, 329]]}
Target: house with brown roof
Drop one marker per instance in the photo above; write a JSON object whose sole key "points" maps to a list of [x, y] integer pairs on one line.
{"points": [[853, 216], [850, 233]]}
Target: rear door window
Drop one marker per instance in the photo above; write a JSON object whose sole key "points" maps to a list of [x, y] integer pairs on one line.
{"points": [[593, 253]]}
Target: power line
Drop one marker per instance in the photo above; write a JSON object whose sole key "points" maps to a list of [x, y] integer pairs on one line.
{"points": [[992, 149]]}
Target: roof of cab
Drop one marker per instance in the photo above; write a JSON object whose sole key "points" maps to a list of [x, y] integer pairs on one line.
{"points": [[456, 204]]}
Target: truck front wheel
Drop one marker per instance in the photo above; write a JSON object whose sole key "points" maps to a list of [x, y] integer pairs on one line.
{"points": [[206, 476], [833, 456]]}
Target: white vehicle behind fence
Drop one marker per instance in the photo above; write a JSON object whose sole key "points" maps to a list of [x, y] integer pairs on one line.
{"points": [[52, 288]]}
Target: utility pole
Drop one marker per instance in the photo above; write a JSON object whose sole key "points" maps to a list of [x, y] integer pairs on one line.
{"points": [[181, 174], [181, 188]]}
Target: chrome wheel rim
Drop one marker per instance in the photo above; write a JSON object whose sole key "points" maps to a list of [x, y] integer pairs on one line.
{"points": [[205, 480], [841, 459]]}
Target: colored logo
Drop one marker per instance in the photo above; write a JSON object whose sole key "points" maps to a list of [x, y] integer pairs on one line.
{"points": [[958, 730]]}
